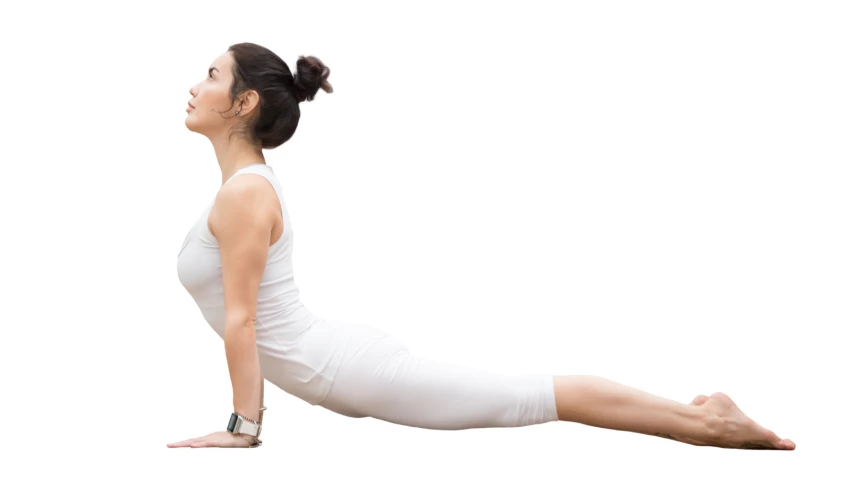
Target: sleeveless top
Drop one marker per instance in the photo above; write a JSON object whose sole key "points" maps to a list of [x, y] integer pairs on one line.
{"points": [[282, 319]]}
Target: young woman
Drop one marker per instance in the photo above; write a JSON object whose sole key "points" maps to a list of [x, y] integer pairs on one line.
{"points": [[236, 262]]}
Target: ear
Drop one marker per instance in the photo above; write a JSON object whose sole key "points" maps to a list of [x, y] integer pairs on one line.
{"points": [[248, 101]]}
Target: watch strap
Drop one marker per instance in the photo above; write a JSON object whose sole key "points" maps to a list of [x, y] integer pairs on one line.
{"points": [[240, 424]]}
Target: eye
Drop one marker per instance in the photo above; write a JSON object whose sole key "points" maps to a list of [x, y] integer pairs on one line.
{"points": [[211, 77]]}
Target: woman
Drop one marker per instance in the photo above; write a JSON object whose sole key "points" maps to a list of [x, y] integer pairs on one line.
{"points": [[236, 262]]}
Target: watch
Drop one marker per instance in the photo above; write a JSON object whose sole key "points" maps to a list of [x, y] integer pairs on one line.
{"points": [[240, 424]]}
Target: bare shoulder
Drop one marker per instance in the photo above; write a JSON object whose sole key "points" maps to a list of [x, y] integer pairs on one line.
{"points": [[248, 202]]}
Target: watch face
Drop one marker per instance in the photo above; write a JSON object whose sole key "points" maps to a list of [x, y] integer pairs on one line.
{"points": [[231, 425]]}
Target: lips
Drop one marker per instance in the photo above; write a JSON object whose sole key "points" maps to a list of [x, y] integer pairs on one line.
{"points": [[190, 106]]}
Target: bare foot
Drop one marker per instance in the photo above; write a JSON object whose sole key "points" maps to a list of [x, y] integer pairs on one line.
{"points": [[730, 428]]}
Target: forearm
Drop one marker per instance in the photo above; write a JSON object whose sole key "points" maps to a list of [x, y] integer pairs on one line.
{"points": [[600, 402], [244, 365], [262, 397]]}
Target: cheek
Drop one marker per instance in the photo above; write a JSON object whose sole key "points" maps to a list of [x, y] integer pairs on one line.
{"points": [[214, 98]]}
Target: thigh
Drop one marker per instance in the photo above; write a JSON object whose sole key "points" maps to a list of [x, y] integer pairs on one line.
{"points": [[384, 380]]}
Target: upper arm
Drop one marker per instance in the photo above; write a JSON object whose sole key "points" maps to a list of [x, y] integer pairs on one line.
{"points": [[242, 219]]}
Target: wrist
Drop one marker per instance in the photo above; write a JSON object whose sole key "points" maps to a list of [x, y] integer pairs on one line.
{"points": [[254, 417], [252, 414], [250, 439], [240, 425]]}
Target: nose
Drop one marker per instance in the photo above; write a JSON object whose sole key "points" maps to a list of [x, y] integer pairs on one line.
{"points": [[192, 91]]}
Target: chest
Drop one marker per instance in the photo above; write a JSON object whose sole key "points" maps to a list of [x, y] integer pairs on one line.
{"points": [[199, 261]]}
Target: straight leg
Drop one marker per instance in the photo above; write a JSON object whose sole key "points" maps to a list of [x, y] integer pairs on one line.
{"points": [[712, 421], [380, 378]]}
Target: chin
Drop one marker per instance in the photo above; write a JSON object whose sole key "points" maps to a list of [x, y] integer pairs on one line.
{"points": [[189, 124], [193, 125]]}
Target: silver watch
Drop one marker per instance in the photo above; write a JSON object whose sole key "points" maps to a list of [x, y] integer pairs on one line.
{"points": [[240, 424]]}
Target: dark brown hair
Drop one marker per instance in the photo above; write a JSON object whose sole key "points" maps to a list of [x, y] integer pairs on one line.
{"points": [[277, 114]]}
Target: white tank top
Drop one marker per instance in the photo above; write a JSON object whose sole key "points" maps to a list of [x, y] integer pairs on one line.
{"points": [[282, 319]]}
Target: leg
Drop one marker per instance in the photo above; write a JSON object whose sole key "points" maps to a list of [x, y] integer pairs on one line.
{"points": [[383, 380], [712, 421]]}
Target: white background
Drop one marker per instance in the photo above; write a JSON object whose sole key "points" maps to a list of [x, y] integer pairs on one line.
{"points": [[653, 192]]}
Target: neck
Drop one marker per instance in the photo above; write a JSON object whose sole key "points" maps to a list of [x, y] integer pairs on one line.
{"points": [[235, 154]]}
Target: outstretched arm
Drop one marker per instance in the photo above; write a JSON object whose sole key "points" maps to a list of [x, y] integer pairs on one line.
{"points": [[242, 220]]}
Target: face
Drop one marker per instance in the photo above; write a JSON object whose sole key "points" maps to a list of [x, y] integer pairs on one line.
{"points": [[212, 113]]}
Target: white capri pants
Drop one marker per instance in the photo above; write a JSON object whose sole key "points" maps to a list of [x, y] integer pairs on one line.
{"points": [[360, 371]]}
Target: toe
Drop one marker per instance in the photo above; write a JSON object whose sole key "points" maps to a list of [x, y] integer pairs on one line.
{"points": [[780, 443], [699, 400], [722, 398]]}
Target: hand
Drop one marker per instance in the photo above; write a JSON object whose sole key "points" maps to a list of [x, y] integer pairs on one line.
{"points": [[223, 439]]}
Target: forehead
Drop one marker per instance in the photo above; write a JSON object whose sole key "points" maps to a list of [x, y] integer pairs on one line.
{"points": [[223, 63]]}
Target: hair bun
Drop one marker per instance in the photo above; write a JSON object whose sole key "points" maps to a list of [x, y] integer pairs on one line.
{"points": [[311, 75]]}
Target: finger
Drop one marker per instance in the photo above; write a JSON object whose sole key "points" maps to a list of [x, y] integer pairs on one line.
{"points": [[198, 444], [182, 443]]}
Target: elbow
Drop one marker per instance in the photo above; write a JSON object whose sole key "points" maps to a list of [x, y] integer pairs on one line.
{"points": [[239, 332], [241, 322]]}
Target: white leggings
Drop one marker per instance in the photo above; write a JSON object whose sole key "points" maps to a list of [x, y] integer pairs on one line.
{"points": [[360, 371]]}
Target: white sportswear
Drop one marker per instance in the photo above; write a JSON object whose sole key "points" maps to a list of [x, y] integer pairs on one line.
{"points": [[355, 369]]}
